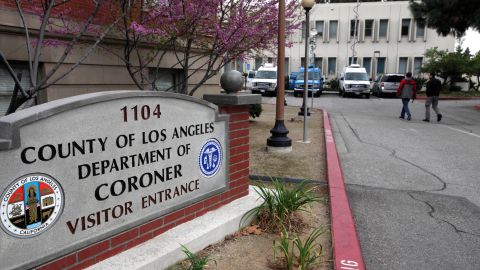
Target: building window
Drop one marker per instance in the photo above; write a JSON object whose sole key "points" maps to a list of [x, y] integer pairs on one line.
{"points": [[420, 29], [258, 62], [165, 79], [402, 65], [417, 65], [240, 66], [352, 61], [368, 28], [405, 27], [317, 62], [319, 28], [367, 64], [332, 65], [353, 28], [332, 30], [381, 62], [383, 29], [7, 84]]}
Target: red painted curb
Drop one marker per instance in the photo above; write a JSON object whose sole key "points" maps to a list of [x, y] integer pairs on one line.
{"points": [[346, 245], [449, 98], [477, 107]]}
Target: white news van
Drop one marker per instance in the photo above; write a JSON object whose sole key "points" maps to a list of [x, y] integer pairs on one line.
{"points": [[354, 81], [265, 80]]}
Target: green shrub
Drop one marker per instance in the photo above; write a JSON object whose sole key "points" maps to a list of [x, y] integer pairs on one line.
{"points": [[334, 84], [280, 203], [255, 110], [420, 82], [298, 254], [454, 88]]}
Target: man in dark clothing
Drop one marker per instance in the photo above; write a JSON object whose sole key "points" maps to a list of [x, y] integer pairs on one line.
{"points": [[433, 91], [407, 90]]}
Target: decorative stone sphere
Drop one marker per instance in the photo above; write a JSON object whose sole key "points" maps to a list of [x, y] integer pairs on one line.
{"points": [[232, 81]]}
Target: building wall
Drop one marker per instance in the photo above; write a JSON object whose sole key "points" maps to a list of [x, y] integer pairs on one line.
{"points": [[101, 71], [392, 47]]}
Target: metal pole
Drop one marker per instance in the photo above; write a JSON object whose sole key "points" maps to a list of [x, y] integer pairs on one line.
{"points": [[305, 78], [279, 139]]}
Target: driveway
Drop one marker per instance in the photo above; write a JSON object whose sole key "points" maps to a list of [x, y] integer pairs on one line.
{"points": [[413, 186]]}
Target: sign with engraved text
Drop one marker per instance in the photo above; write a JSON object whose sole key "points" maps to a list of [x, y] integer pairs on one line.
{"points": [[78, 170]]}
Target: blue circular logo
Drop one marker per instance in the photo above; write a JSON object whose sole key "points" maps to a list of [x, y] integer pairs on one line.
{"points": [[210, 158]]}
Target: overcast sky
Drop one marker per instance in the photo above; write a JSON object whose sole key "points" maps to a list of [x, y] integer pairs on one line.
{"points": [[472, 41]]}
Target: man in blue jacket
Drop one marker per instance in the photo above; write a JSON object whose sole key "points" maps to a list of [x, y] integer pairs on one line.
{"points": [[433, 91], [407, 90]]}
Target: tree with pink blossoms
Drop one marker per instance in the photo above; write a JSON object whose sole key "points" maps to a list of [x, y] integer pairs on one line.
{"points": [[203, 36], [60, 25]]}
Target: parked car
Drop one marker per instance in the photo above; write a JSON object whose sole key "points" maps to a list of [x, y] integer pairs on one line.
{"points": [[315, 82], [387, 84]]}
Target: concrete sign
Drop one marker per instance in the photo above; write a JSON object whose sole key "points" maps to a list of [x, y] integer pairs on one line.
{"points": [[78, 170]]}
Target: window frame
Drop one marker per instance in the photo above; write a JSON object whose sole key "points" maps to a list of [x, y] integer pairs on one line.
{"points": [[371, 29], [404, 27], [380, 28]]}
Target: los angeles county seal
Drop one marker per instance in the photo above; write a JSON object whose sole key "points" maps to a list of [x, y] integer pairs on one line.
{"points": [[31, 205], [210, 158]]}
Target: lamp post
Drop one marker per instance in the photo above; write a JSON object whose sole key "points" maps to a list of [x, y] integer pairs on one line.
{"points": [[279, 142], [313, 46], [307, 5]]}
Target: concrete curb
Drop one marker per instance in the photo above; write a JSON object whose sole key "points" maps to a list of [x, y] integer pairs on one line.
{"points": [[347, 253], [165, 250], [450, 98]]}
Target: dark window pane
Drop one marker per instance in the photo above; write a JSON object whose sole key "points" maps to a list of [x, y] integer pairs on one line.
{"points": [[417, 64], [368, 28], [420, 29], [332, 65], [353, 28], [367, 64], [381, 65], [402, 65], [258, 62], [405, 26], [319, 28], [333, 29], [383, 28]]}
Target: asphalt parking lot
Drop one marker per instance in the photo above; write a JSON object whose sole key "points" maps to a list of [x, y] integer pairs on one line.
{"points": [[413, 186]]}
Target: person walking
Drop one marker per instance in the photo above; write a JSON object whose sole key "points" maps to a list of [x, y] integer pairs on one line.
{"points": [[407, 90], [433, 91]]}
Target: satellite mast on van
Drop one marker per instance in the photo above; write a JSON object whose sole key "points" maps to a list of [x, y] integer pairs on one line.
{"points": [[355, 33]]}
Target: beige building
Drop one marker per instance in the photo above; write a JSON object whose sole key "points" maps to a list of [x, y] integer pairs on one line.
{"points": [[388, 39], [101, 71]]}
